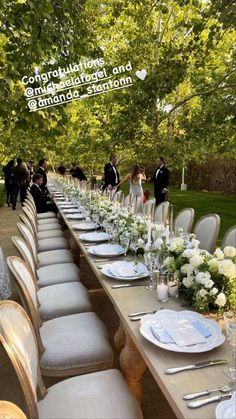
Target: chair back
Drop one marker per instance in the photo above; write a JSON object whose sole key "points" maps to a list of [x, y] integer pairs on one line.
{"points": [[148, 209], [229, 237], [207, 230], [161, 212], [25, 253], [29, 205], [29, 238], [31, 218], [184, 219], [19, 341], [26, 221], [117, 197], [27, 289]]}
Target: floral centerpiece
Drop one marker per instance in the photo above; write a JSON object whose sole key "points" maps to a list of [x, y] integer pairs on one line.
{"points": [[208, 282]]}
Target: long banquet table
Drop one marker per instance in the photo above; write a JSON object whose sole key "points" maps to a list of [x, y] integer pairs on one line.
{"points": [[137, 353]]}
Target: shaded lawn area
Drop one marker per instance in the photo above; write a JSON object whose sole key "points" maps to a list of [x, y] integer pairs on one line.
{"points": [[2, 195], [202, 202]]}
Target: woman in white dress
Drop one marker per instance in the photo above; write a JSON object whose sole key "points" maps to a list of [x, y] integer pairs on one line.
{"points": [[135, 178]]}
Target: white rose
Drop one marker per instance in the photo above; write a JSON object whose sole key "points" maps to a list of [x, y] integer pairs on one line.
{"points": [[219, 254], [221, 299], [230, 251], [203, 277], [168, 261], [202, 293], [172, 247], [213, 265], [188, 253], [196, 261], [213, 291], [195, 243], [208, 283], [227, 268], [158, 243], [188, 281], [140, 242], [177, 244], [187, 269], [204, 252]]}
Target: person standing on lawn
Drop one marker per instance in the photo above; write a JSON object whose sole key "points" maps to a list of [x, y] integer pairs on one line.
{"points": [[160, 179]]}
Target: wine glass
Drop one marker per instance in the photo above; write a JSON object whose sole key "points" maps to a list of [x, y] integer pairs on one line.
{"points": [[230, 327], [149, 263], [124, 241]]}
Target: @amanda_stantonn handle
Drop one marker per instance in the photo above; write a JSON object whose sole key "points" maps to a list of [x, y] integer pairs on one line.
{"points": [[200, 403]]}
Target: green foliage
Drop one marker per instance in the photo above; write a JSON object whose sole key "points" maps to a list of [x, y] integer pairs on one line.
{"points": [[184, 107]]}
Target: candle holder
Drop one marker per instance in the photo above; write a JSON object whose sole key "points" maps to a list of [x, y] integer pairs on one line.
{"points": [[172, 286], [162, 288]]}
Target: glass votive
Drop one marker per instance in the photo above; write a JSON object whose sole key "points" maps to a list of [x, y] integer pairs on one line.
{"points": [[162, 289], [172, 287]]}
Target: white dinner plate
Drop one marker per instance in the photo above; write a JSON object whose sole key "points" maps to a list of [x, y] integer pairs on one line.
{"points": [[106, 249], [143, 273], [98, 236], [70, 210], [168, 318], [76, 216], [86, 226], [227, 408]]}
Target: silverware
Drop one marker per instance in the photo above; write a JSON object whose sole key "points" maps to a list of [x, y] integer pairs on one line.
{"points": [[127, 285], [200, 403], [222, 389], [198, 365], [101, 260], [141, 313], [140, 316]]}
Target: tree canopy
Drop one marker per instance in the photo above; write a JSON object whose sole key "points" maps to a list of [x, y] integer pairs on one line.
{"points": [[184, 107]]}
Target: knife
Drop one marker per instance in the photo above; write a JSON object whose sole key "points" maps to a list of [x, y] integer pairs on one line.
{"points": [[200, 403], [196, 366], [127, 285]]}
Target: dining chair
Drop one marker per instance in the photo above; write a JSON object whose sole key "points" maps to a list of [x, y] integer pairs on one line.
{"points": [[9, 410], [40, 234], [40, 221], [148, 208], [56, 300], [207, 230], [48, 214], [45, 258], [229, 238], [50, 227], [97, 395], [184, 219], [161, 212], [70, 345], [50, 274]]}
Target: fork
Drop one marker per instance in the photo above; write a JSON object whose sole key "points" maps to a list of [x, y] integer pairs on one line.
{"points": [[222, 389]]}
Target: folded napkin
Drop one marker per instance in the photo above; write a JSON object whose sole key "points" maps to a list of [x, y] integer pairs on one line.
{"points": [[184, 333], [74, 216], [70, 210], [127, 269], [107, 249]]}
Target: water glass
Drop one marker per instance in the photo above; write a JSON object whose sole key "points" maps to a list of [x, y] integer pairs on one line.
{"points": [[230, 327], [124, 241]]}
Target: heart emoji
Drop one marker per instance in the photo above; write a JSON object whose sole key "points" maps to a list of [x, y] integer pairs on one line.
{"points": [[141, 74]]}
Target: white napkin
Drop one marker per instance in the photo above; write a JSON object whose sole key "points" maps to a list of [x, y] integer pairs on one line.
{"points": [[74, 216], [184, 333], [70, 210], [107, 249], [127, 269]]}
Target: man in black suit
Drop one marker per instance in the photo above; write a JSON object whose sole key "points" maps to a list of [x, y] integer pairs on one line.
{"points": [[111, 174], [77, 172], [42, 171], [40, 199], [161, 180], [19, 176]]}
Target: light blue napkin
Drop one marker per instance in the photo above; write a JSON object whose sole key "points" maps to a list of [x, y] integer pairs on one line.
{"points": [[164, 337]]}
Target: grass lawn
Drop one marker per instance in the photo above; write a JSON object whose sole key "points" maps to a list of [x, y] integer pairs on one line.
{"points": [[203, 203]]}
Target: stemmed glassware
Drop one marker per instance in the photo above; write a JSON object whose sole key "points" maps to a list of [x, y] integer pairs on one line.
{"points": [[230, 327], [134, 245], [125, 241]]}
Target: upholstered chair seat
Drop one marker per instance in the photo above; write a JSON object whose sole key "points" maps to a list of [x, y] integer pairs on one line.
{"points": [[100, 395], [48, 214], [53, 243], [52, 257], [78, 342], [57, 274], [48, 221], [49, 227], [62, 300], [49, 234]]}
